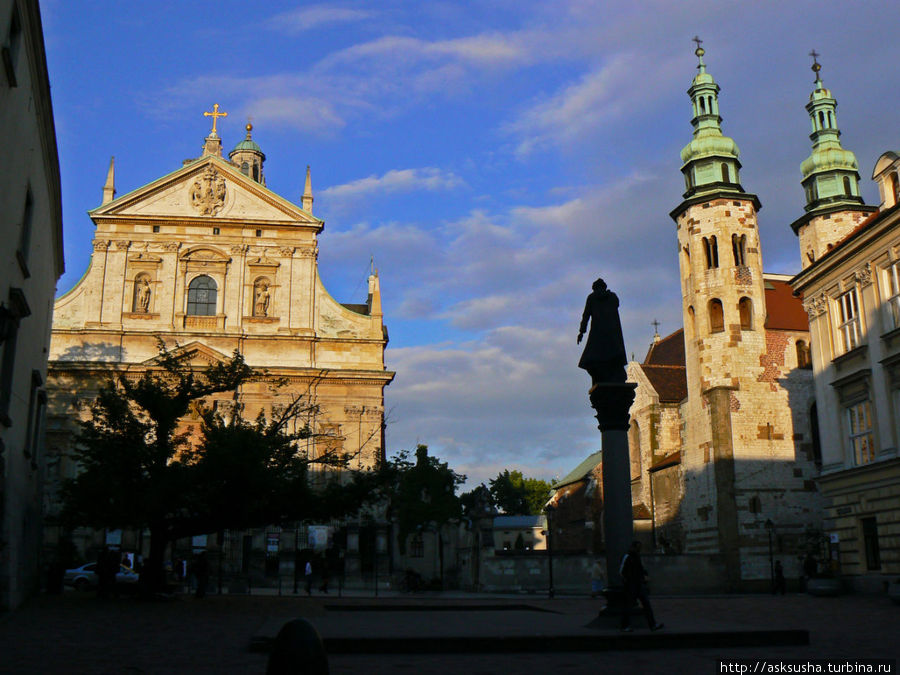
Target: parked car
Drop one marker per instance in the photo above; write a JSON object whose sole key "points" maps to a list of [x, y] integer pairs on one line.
{"points": [[85, 577]]}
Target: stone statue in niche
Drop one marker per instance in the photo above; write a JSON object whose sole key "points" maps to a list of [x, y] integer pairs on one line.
{"points": [[604, 354], [142, 296], [261, 298]]}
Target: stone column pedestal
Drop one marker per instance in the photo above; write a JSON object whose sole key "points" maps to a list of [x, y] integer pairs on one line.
{"points": [[611, 401]]}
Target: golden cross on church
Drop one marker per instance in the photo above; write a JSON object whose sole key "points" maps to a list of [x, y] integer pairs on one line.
{"points": [[215, 114]]}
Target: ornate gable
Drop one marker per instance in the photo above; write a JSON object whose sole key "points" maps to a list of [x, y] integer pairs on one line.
{"points": [[195, 353], [209, 188]]}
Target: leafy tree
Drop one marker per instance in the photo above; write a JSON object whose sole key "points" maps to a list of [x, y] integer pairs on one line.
{"points": [[477, 502], [422, 493], [140, 469], [516, 495]]}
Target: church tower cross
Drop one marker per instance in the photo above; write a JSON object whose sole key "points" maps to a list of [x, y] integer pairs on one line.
{"points": [[215, 114]]}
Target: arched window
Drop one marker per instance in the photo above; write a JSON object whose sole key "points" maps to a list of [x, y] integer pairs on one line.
{"points": [[256, 172], [706, 252], [725, 177], [245, 169], [202, 297], [821, 120], [803, 360], [745, 310], [830, 120], [847, 186], [713, 251], [895, 186], [702, 106], [634, 449], [716, 316], [141, 300], [739, 249], [691, 325]]}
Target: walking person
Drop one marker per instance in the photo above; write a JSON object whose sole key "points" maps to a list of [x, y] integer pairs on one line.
{"points": [[308, 575], [201, 573], [598, 578], [634, 578], [780, 585]]}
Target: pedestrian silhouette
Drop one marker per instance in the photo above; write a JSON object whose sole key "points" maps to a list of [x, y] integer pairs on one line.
{"points": [[634, 578]]}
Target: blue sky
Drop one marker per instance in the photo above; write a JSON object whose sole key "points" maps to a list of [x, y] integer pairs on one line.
{"points": [[494, 157]]}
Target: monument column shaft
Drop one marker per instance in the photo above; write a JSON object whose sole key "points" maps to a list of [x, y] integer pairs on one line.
{"points": [[618, 526]]}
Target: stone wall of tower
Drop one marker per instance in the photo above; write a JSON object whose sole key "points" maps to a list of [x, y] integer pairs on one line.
{"points": [[822, 232], [746, 428]]}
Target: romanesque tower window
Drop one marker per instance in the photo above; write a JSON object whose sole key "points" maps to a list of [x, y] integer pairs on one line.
{"points": [[716, 316], [711, 249], [691, 325], [745, 310], [634, 449], [202, 297], [739, 249]]}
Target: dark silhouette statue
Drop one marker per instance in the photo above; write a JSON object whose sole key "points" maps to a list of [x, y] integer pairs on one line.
{"points": [[604, 354]]}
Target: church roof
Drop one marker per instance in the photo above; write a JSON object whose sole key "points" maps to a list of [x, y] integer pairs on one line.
{"points": [[670, 382], [669, 351], [785, 312], [581, 471]]}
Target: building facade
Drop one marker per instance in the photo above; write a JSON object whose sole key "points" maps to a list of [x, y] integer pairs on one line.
{"points": [[722, 449], [210, 261], [31, 262], [850, 284]]}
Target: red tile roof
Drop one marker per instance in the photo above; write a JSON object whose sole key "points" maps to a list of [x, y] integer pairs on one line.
{"points": [[669, 351], [785, 312], [670, 382]]}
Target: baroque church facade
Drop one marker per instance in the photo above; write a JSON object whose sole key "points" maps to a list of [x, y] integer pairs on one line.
{"points": [[722, 441], [209, 261]]}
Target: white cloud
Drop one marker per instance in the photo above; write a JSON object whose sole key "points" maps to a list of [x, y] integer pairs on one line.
{"points": [[395, 180], [306, 18]]}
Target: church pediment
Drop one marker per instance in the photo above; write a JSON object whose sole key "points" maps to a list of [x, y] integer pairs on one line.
{"points": [[209, 188], [194, 353]]}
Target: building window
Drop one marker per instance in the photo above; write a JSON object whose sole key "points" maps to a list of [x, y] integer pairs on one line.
{"points": [[893, 277], [716, 316], [416, 546], [202, 297], [745, 310], [803, 358], [156, 228], [37, 400], [634, 447], [10, 316], [711, 250], [850, 330], [216, 230], [739, 249], [12, 47], [725, 177], [22, 252], [245, 168], [847, 186], [870, 541], [259, 233], [895, 187], [859, 423]]}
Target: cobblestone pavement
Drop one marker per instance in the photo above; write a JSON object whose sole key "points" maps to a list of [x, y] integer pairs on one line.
{"points": [[77, 633]]}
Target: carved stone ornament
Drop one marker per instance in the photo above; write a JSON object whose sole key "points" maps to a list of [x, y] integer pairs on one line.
{"points": [[208, 192], [816, 305], [100, 245], [307, 252], [171, 246], [237, 249], [286, 251], [122, 245], [863, 275]]}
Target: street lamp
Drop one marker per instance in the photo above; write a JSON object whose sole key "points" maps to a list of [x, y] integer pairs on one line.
{"points": [[770, 528]]}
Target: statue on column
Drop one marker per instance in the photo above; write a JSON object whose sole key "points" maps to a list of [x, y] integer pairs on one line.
{"points": [[604, 354]]}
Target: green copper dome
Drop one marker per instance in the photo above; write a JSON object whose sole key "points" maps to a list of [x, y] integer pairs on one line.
{"points": [[710, 161], [247, 144], [830, 175]]}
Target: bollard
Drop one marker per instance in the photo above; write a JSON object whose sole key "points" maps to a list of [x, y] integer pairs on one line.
{"points": [[298, 649]]}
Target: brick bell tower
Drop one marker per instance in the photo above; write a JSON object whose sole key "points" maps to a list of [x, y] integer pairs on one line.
{"points": [[724, 317]]}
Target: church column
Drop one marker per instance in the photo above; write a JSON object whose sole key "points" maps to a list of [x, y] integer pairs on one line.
{"points": [[719, 399]]}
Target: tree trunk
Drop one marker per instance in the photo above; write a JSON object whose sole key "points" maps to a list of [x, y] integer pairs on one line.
{"points": [[153, 575]]}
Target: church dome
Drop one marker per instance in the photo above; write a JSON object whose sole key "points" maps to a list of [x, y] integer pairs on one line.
{"points": [[713, 145], [248, 144], [827, 159]]}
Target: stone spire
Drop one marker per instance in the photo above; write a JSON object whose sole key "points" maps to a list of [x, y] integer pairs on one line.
{"points": [[109, 189], [306, 201], [710, 160], [830, 173]]}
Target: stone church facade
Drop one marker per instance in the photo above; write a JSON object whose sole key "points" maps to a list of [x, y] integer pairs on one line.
{"points": [[210, 261], [722, 446]]}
